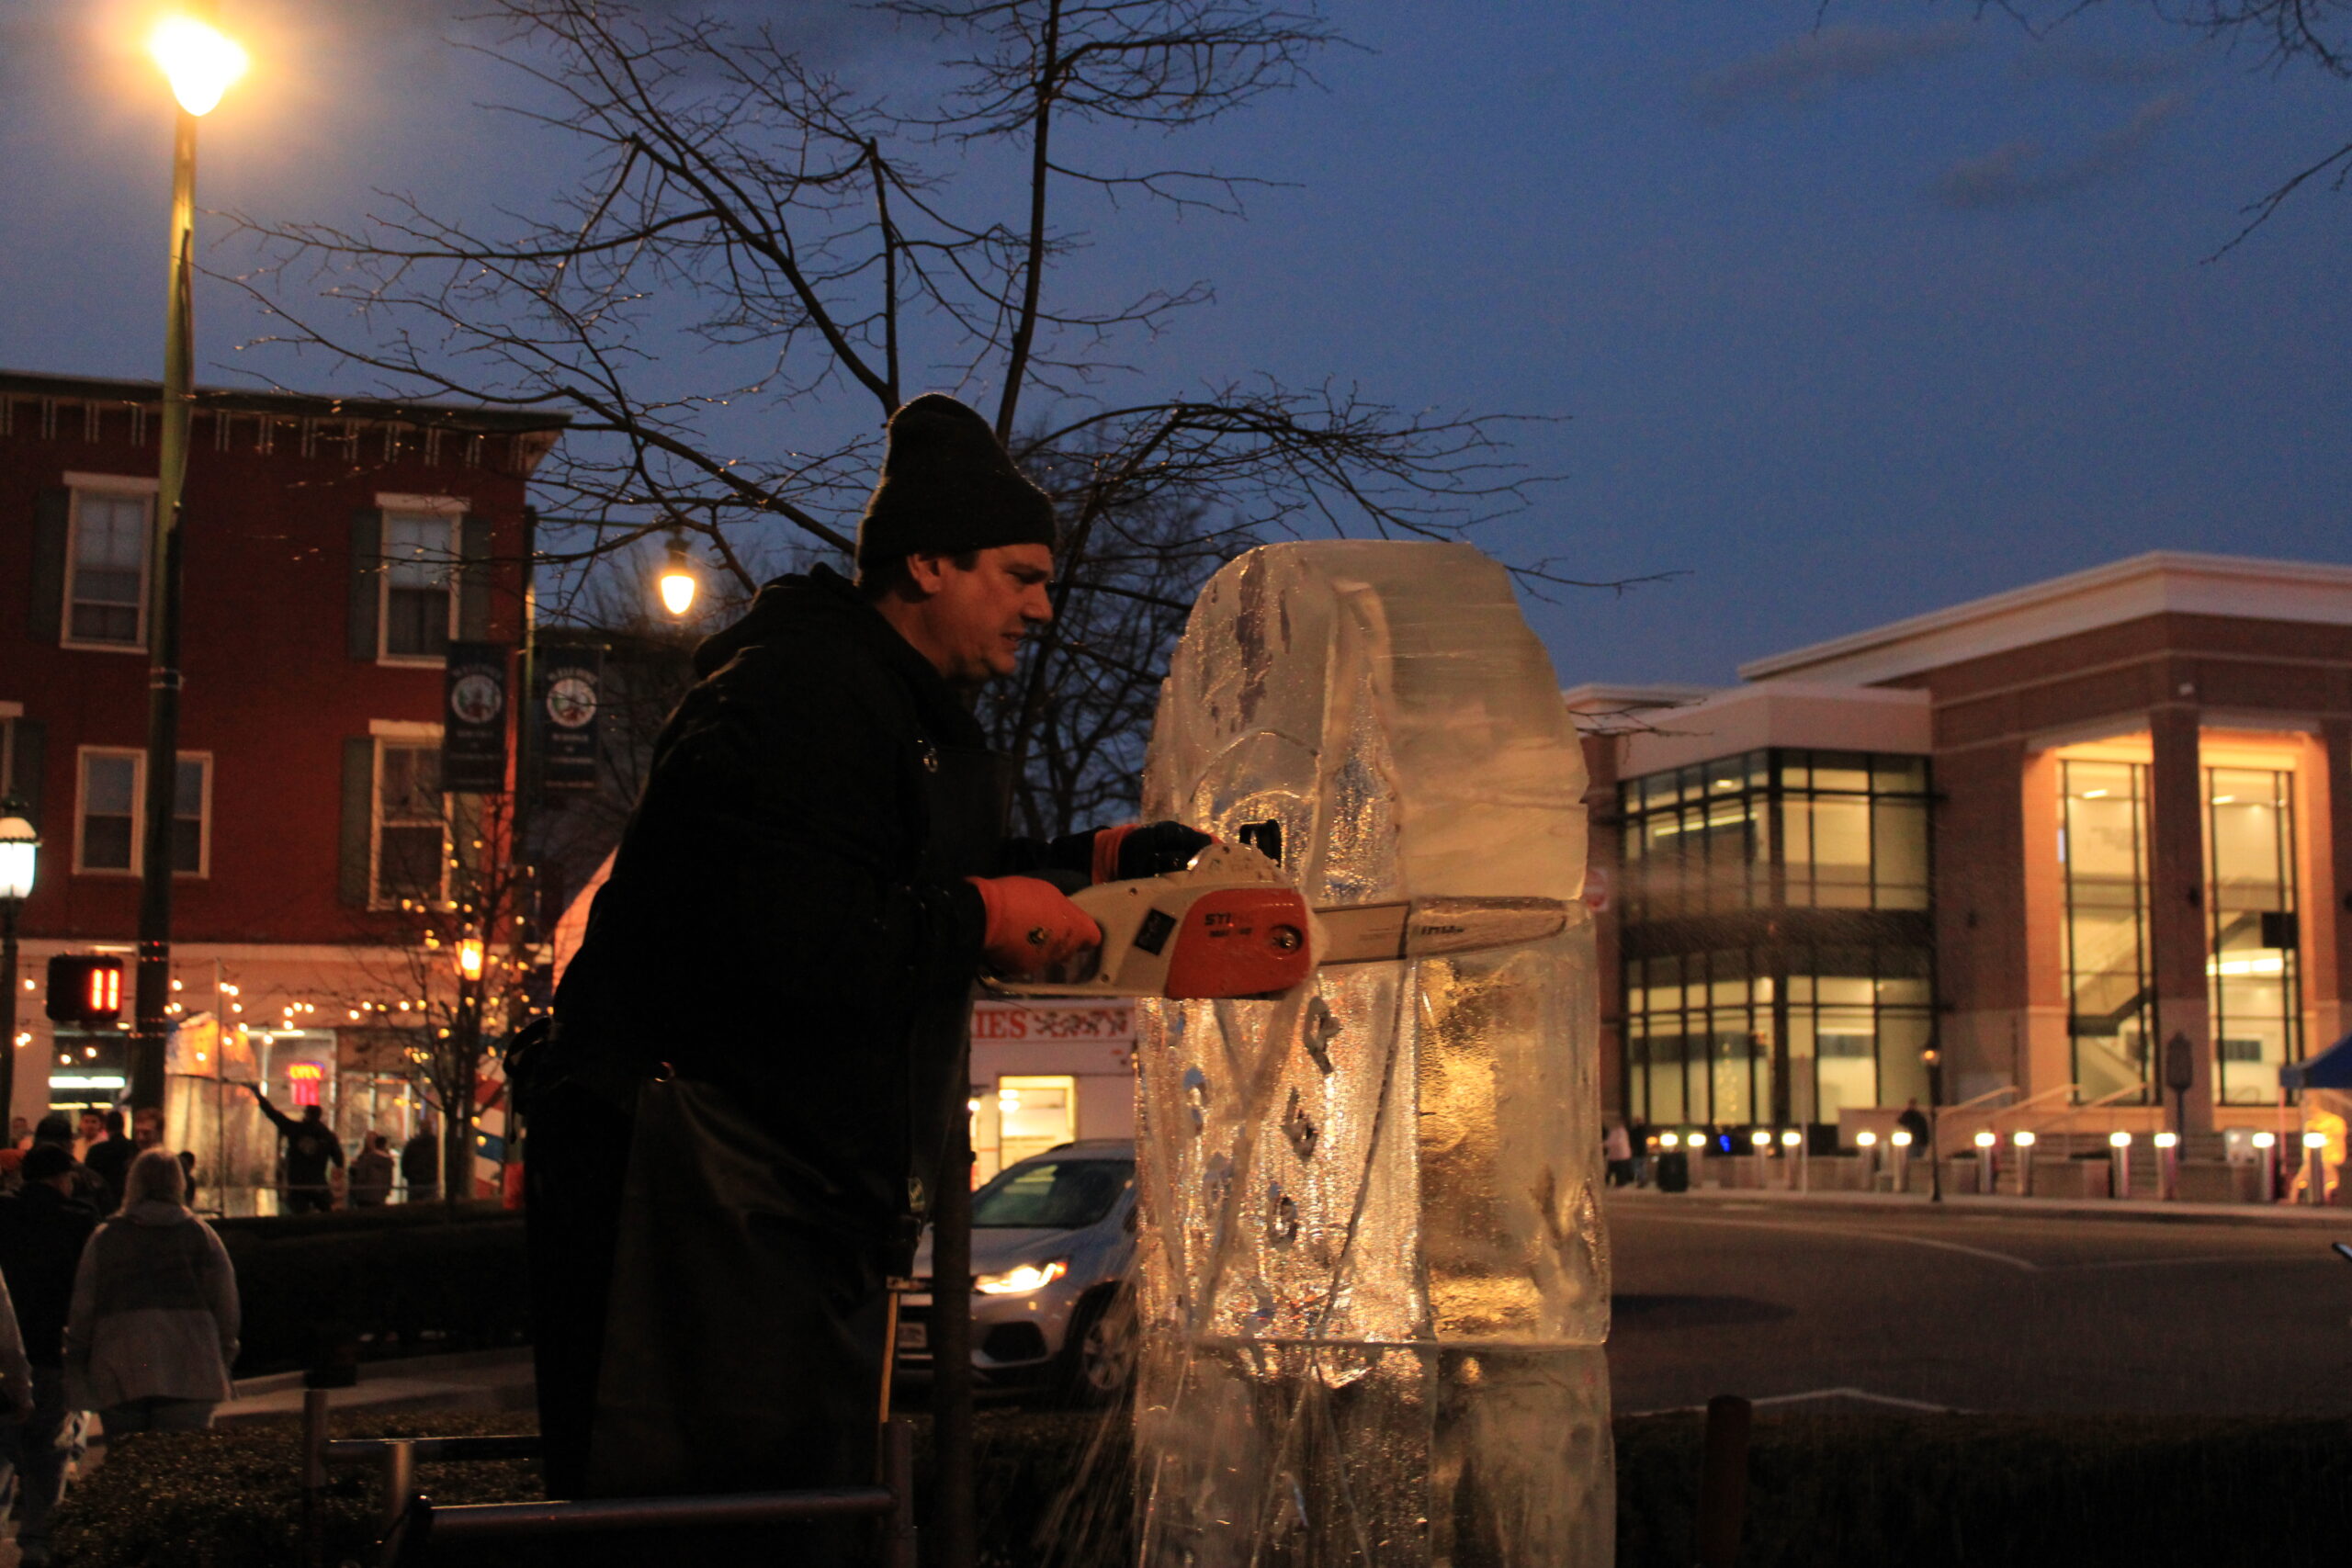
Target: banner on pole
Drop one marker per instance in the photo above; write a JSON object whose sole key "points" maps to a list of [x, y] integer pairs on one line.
{"points": [[571, 690], [473, 719]]}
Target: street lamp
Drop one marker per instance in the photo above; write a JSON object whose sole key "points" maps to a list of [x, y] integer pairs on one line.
{"points": [[2118, 1145], [200, 62], [19, 854], [677, 581], [2024, 1138]]}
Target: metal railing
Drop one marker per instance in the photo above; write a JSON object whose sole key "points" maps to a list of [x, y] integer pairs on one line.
{"points": [[413, 1529]]}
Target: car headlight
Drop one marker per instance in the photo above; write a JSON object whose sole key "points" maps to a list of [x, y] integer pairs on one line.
{"points": [[1022, 1280]]}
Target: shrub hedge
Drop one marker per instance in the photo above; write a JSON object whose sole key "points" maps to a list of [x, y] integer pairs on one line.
{"points": [[1895, 1491], [390, 1281]]}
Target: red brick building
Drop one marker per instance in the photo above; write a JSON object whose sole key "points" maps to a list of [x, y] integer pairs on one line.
{"points": [[2044, 833], [333, 550]]}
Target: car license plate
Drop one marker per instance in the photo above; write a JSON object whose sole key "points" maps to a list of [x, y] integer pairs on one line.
{"points": [[914, 1336]]}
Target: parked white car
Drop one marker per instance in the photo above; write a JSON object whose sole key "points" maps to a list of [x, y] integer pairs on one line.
{"points": [[1052, 1239]]}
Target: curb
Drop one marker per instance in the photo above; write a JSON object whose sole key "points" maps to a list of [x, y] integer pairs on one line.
{"points": [[2130, 1210]]}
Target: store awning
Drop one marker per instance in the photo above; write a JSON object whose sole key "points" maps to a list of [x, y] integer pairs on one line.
{"points": [[2332, 1068]]}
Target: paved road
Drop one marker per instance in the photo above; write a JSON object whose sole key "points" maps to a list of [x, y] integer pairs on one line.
{"points": [[1975, 1311]]}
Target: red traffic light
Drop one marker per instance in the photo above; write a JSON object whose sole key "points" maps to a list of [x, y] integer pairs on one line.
{"points": [[85, 990]]}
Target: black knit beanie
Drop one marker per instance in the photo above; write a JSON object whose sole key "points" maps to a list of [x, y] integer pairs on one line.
{"points": [[947, 487]]}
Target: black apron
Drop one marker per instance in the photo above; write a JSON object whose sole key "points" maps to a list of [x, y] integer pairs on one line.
{"points": [[743, 1347]]}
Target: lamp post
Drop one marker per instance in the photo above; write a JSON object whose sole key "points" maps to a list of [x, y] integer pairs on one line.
{"points": [[2119, 1148], [1934, 1059], [200, 62], [20, 851], [2024, 1140]]}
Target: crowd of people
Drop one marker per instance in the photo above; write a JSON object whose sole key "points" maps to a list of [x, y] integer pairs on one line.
{"points": [[117, 1299]]}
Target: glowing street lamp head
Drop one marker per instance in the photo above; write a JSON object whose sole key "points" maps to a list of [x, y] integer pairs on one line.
{"points": [[677, 581], [1866, 1139], [199, 60], [470, 958]]}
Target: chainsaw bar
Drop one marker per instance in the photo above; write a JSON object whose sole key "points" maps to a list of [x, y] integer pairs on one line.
{"points": [[1431, 927]]}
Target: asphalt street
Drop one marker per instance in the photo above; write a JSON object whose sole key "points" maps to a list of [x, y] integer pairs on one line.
{"points": [[1954, 1309]]}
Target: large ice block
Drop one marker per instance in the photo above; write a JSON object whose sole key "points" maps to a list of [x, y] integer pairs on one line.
{"points": [[1372, 1278]]}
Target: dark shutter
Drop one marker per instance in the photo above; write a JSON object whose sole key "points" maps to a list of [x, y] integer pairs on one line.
{"points": [[52, 509], [367, 570], [26, 750], [474, 579], [358, 820]]}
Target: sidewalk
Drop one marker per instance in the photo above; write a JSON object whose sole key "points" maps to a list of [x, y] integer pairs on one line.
{"points": [[480, 1380], [2144, 1210]]}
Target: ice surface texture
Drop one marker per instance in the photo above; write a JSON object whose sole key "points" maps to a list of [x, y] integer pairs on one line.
{"points": [[1372, 1275]]}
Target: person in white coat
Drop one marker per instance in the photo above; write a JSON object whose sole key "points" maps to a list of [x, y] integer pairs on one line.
{"points": [[153, 1331]]}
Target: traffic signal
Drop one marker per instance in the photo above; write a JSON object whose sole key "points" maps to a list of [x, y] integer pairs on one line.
{"points": [[85, 990]]}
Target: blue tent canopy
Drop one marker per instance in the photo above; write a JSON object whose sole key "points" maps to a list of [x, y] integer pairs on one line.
{"points": [[2332, 1068]]}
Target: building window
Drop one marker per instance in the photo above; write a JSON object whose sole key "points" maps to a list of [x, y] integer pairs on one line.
{"points": [[2110, 991], [419, 584], [2253, 978], [1710, 1036], [105, 580], [412, 850], [109, 826], [1840, 829]]}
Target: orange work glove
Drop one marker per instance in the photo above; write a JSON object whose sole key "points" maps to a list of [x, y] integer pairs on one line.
{"points": [[1032, 925]]}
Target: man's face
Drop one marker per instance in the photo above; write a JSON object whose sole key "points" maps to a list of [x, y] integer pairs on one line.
{"points": [[975, 619], [93, 1126], [147, 1128]]}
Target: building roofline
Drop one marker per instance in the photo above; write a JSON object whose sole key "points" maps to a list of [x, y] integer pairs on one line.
{"points": [[2016, 603], [298, 405], [1619, 695]]}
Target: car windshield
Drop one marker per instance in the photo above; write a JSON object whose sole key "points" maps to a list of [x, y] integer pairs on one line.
{"points": [[1052, 1194]]}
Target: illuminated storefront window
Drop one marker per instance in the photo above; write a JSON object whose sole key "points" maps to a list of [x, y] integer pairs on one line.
{"points": [[1703, 1031], [2110, 992], [2253, 981], [1841, 829], [1779, 966]]}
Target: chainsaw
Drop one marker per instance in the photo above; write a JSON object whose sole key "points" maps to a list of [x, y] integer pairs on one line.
{"points": [[1230, 925]]}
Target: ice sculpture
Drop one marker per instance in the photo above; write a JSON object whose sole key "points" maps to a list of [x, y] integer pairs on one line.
{"points": [[1372, 1278]]}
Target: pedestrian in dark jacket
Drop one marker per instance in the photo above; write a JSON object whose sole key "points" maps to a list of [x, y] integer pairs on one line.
{"points": [[371, 1174], [153, 1330], [421, 1164], [108, 1159], [57, 1129], [309, 1145], [43, 1229], [721, 1177]]}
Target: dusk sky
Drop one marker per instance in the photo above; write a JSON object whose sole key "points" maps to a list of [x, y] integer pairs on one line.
{"points": [[1841, 323]]}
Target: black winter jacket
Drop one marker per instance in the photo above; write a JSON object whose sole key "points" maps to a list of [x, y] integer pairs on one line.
{"points": [[42, 1233], [788, 914]]}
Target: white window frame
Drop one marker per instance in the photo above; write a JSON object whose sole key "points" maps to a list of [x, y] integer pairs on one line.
{"points": [[138, 757], [78, 486], [451, 510], [388, 733]]}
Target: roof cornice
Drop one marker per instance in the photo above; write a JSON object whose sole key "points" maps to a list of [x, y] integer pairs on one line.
{"points": [[2158, 582]]}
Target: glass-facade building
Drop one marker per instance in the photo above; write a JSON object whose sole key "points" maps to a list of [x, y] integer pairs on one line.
{"points": [[1778, 962]]}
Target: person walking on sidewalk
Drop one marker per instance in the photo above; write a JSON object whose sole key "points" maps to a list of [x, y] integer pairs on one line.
{"points": [[309, 1145], [421, 1164], [110, 1158], [153, 1330], [43, 1229], [371, 1174]]}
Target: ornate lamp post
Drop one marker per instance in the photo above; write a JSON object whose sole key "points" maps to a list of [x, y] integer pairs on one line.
{"points": [[20, 853], [200, 62]]}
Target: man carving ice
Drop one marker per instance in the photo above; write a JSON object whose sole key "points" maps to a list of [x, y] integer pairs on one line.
{"points": [[739, 1120]]}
